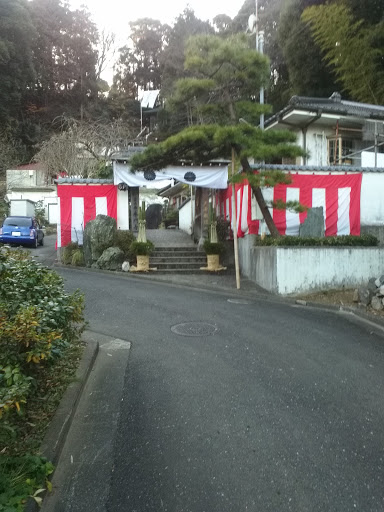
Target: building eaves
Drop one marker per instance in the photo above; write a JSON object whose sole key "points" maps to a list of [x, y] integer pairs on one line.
{"points": [[125, 154], [83, 181], [32, 189], [332, 105], [316, 168], [36, 166]]}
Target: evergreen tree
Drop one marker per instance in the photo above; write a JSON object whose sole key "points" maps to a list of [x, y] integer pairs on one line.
{"points": [[138, 66], [352, 47], [308, 74], [16, 67], [226, 74], [65, 58]]}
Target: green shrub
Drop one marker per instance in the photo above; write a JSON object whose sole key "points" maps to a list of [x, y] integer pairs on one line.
{"points": [[223, 229], [78, 258], [37, 321], [40, 213], [67, 252], [328, 241], [213, 247], [142, 248], [171, 217], [21, 477], [124, 241]]}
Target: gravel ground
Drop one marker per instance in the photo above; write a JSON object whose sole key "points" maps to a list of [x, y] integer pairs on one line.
{"points": [[338, 298]]}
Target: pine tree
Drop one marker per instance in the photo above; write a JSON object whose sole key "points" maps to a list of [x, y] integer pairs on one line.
{"points": [[227, 75]]}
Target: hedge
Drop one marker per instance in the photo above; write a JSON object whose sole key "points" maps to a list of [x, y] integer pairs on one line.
{"points": [[328, 241]]}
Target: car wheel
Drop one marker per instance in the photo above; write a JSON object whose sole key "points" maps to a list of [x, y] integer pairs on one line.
{"points": [[35, 243], [42, 240]]}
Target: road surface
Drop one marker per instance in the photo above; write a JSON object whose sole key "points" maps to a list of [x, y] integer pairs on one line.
{"points": [[228, 405]]}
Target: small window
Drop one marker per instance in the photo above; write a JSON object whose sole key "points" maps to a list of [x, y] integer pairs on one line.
{"points": [[338, 150]]}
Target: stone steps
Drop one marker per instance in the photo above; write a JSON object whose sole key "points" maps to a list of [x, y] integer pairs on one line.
{"points": [[178, 259]]}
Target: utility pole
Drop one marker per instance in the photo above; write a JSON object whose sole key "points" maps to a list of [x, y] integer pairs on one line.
{"points": [[260, 48]]}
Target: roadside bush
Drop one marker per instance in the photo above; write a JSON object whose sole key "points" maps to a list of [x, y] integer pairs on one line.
{"points": [[40, 213], [78, 258], [40, 329], [20, 477], [124, 241], [67, 252], [51, 229], [37, 320], [366, 240]]}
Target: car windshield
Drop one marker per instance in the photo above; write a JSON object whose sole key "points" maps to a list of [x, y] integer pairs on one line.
{"points": [[18, 221]]}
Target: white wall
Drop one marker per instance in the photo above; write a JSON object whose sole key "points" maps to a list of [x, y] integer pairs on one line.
{"points": [[48, 198], [293, 270], [185, 217], [317, 145], [122, 209], [305, 269], [318, 148], [372, 203], [368, 159], [26, 178]]}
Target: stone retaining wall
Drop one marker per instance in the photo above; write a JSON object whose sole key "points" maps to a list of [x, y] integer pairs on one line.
{"points": [[293, 270]]}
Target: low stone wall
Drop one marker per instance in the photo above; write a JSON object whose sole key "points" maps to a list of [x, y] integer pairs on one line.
{"points": [[293, 270]]}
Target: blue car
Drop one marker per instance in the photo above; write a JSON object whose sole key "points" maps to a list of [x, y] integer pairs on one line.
{"points": [[21, 231]]}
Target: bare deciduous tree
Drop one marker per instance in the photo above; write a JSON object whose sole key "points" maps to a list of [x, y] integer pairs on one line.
{"points": [[82, 148]]}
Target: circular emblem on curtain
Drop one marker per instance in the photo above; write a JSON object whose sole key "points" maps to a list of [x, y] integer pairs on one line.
{"points": [[122, 186], [149, 175], [189, 176]]}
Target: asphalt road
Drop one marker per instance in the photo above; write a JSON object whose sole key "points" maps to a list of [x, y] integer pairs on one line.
{"points": [[262, 406]]}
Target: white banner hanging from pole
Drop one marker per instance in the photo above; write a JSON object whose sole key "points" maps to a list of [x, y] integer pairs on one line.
{"points": [[207, 177]]}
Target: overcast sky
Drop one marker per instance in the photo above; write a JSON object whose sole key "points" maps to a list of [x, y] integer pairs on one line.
{"points": [[116, 14]]}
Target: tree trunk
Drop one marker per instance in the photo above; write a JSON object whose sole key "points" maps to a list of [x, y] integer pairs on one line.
{"points": [[261, 202]]}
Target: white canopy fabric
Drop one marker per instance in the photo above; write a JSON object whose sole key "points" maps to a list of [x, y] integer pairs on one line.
{"points": [[149, 98], [207, 177]]}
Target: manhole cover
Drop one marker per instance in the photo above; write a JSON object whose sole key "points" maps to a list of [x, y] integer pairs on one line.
{"points": [[194, 329], [239, 301]]}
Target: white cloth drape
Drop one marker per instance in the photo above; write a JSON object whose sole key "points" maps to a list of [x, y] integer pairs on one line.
{"points": [[208, 177]]}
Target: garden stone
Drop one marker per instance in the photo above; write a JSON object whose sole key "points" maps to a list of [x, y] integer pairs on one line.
{"points": [[99, 234], [381, 291], [372, 285], [377, 304], [379, 281], [154, 216], [365, 296], [313, 225], [111, 259], [125, 266]]}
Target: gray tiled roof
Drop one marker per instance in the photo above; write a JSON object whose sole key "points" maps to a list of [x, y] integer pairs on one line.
{"points": [[317, 168], [84, 181], [332, 105]]}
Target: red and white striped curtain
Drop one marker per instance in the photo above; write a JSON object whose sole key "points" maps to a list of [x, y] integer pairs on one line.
{"points": [[339, 195], [78, 204]]}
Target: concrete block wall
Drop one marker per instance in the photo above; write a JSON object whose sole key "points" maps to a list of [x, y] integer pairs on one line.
{"points": [[293, 270]]}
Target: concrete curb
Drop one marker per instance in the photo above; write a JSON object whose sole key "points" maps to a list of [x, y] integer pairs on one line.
{"points": [[56, 435], [246, 294], [359, 314]]}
